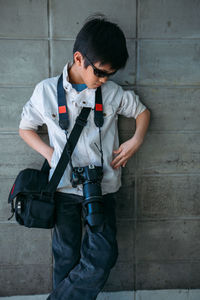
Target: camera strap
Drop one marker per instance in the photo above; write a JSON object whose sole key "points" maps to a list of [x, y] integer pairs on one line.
{"points": [[63, 111], [98, 112], [62, 106]]}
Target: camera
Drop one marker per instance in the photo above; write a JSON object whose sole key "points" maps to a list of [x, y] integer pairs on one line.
{"points": [[90, 177]]}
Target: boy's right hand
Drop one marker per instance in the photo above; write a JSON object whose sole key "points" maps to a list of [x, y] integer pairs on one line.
{"points": [[49, 155]]}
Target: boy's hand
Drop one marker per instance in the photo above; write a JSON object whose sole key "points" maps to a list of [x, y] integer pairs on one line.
{"points": [[125, 151], [49, 155]]}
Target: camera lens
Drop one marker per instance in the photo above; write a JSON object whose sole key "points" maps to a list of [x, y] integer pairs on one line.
{"points": [[93, 203]]}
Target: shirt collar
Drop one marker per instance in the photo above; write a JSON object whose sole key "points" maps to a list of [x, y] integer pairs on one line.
{"points": [[66, 84]]}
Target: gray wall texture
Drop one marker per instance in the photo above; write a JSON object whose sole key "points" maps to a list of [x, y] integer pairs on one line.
{"points": [[158, 206]]}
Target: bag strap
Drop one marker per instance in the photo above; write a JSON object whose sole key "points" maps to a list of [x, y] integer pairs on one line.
{"points": [[45, 167], [81, 121]]}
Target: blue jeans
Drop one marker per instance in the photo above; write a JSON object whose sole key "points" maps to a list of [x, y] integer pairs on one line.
{"points": [[81, 266]]}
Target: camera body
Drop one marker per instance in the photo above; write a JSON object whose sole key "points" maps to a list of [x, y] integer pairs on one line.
{"points": [[82, 175], [90, 177]]}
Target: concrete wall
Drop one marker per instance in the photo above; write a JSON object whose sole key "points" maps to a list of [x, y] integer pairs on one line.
{"points": [[158, 206]]}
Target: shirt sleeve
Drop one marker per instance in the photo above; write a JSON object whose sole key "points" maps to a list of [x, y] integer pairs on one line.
{"points": [[130, 105], [31, 116]]}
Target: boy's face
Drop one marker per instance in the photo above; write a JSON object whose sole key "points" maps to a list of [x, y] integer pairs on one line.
{"points": [[93, 81], [88, 75]]}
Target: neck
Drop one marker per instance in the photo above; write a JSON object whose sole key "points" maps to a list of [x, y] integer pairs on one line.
{"points": [[74, 76]]}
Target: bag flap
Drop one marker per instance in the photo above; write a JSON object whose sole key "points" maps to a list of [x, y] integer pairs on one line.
{"points": [[28, 180]]}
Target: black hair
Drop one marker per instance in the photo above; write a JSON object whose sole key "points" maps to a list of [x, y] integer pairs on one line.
{"points": [[102, 41]]}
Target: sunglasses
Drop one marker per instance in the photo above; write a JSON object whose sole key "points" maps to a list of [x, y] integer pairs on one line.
{"points": [[98, 72]]}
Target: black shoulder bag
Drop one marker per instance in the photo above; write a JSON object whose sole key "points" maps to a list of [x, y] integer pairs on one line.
{"points": [[32, 196]]}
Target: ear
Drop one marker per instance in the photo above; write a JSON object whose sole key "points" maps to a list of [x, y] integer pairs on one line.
{"points": [[78, 59]]}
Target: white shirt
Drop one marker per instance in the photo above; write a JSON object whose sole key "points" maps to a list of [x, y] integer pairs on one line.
{"points": [[42, 108]]}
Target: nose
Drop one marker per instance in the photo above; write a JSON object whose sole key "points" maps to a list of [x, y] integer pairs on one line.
{"points": [[103, 79]]}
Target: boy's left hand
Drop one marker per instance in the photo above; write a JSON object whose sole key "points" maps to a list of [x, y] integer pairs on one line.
{"points": [[124, 152]]}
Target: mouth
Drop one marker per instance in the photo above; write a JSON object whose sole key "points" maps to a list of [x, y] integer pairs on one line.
{"points": [[98, 85]]}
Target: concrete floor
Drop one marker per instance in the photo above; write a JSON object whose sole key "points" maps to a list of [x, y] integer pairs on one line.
{"points": [[138, 295]]}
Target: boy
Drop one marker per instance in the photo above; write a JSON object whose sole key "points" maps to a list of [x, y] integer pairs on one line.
{"points": [[81, 268]]}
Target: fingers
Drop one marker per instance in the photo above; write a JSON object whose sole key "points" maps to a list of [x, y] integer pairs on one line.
{"points": [[122, 157], [117, 151], [117, 156], [119, 160], [124, 164], [120, 163], [124, 152]]}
